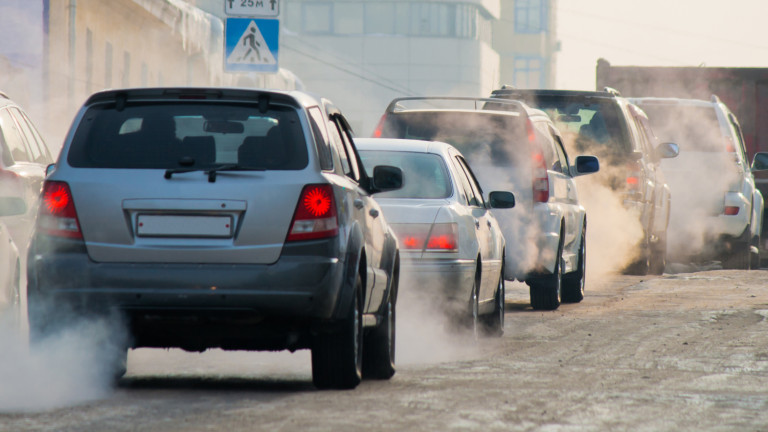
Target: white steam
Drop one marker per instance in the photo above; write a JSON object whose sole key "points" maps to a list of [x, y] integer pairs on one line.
{"points": [[68, 369]]}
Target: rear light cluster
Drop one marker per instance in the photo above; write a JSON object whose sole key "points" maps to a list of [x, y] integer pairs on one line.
{"points": [[440, 237], [634, 175], [731, 210], [315, 215], [57, 216], [540, 185], [379, 127]]}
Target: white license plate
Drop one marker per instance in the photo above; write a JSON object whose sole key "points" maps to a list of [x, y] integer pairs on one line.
{"points": [[184, 226]]}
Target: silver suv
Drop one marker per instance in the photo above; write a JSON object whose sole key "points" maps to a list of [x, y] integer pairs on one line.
{"points": [[238, 219], [717, 211]]}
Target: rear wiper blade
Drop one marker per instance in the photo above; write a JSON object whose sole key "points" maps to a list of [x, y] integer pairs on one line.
{"points": [[211, 172], [230, 167]]}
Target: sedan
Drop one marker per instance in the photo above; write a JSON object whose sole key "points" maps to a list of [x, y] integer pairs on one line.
{"points": [[448, 236]]}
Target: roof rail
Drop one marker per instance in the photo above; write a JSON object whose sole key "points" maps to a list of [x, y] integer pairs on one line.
{"points": [[3, 95], [508, 87], [612, 91], [396, 104], [715, 99]]}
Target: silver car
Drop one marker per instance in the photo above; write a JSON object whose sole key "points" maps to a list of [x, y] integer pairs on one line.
{"points": [[448, 236], [10, 264], [230, 218]]}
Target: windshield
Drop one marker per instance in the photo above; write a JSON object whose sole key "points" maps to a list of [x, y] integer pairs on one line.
{"points": [[692, 128], [189, 135], [424, 175], [499, 138]]}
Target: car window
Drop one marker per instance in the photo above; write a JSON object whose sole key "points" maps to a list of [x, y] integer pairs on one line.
{"points": [[476, 190], [562, 155], [547, 145], [46, 154], [338, 146], [26, 132], [189, 134], [348, 146], [739, 145], [13, 139], [425, 175], [321, 138], [692, 128]]}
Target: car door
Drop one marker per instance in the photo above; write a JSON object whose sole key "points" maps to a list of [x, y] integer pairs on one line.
{"points": [[486, 228], [573, 213], [366, 210], [661, 193]]}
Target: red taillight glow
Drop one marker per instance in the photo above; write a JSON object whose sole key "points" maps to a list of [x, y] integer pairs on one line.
{"points": [[540, 178], [379, 127], [315, 215], [442, 238], [731, 210], [57, 215], [632, 182]]}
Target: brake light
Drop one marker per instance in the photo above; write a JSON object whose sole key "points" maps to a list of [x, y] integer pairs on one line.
{"points": [[315, 215], [442, 237], [379, 127], [731, 210], [57, 215], [634, 174], [729, 147]]}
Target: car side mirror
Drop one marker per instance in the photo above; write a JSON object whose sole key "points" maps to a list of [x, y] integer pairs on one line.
{"points": [[501, 199], [49, 169], [585, 165], [667, 150], [760, 162], [12, 206], [386, 178]]}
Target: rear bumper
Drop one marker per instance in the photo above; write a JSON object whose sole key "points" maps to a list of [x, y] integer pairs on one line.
{"points": [[449, 279], [298, 288]]}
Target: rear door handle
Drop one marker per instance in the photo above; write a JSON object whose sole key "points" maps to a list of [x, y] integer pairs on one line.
{"points": [[358, 203]]}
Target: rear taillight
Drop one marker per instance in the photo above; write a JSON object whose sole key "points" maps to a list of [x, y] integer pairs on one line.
{"points": [[379, 127], [57, 215], [315, 215], [731, 210], [634, 176], [443, 237], [540, 176]]}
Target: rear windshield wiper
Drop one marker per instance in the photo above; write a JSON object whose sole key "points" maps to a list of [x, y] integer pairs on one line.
{"points": [[211, 172]]}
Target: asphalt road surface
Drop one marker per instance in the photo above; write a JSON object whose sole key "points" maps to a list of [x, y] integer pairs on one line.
{"points": [[681, 352]]}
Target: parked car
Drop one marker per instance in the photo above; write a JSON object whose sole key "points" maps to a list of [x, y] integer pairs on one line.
{"points": [[230, 218], [718, 210], [10, 263], [513, 147], [449, 238], [24, 157], [617, 131]]}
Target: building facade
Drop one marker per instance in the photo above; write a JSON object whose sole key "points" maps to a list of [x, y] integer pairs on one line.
{"points": [[526, 39], [361, 54]]}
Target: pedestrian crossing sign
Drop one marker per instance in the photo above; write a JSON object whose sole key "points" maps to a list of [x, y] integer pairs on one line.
{"points": [[251, 45]]}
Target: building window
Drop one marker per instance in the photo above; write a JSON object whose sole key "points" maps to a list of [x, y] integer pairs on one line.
{"points": [[380, 18], [531, 16], [316, 18], [348, 18], [529, 72]]}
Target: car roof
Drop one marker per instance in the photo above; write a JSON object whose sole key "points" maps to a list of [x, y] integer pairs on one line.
{"points": [[403, 145], [511, 93], [670, 101], [399, 105]]}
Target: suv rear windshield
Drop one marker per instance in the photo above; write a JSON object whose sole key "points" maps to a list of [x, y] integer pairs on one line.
{"points": [[193, 135], [475, 134], [588, 125], [692, 128]]}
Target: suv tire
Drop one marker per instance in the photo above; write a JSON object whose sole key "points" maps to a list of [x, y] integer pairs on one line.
{"points": [[573, 283], [337, 356], [545, 291], [379, 343]]}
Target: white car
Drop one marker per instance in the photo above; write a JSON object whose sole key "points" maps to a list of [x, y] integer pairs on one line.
{"points": [[448, 236], [717, 211], [513, 147], [10, 264]]}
